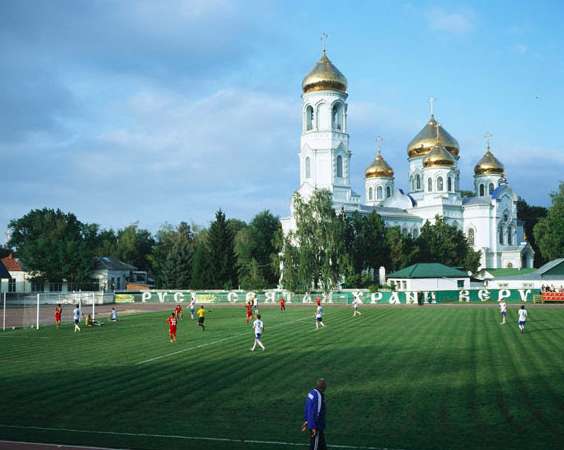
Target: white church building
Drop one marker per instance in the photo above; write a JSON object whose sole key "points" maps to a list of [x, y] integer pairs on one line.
{"points": [[488, 217]]}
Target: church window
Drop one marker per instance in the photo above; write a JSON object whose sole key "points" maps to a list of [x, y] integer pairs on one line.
{"points": [[379, 193], [370, 194], [471, 236], [412, 184], [449, 184], [430, 185], [418, 182], [308, 167], [309, 118], [337, 117], [509, 236], [500, 232], [340, 166], [440, 184], [482, 190], [491, 188], [388, 191]]}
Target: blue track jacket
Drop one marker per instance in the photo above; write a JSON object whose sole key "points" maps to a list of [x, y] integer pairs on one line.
{"points": [[314, 411]]}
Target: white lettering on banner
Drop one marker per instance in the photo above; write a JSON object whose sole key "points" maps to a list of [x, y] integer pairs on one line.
{"points": [[306, 298], [430, 296], [524, 294], [270, 297], [503, 293], [162, 296], [358, 295], [394, 299], [232, 297], [484, 295], [375, 297], [178, 297], [145, 296], [464, 296], [410, 298]]}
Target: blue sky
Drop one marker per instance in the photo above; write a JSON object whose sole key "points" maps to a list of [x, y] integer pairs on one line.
{"points": [[154, 112]]}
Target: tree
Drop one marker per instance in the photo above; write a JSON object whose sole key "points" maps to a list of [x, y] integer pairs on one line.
{"points": [[317, 248], [134, 246], [530, 215], [221, 248], [172, 257], [53, 245], [201, 265], [549, 231], [402, 249], [446, 244]]}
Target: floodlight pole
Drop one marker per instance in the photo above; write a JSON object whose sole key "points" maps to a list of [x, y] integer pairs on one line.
{"points": [[93, 306], [4, 314], [37, 314]]}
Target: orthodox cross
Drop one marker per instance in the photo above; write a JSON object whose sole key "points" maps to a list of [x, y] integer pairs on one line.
{"points": [[488, 137], [432, 101], [379, 142], [324, 42]]}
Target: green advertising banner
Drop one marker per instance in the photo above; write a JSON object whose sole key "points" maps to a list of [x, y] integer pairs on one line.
{"points": [[338, 297]]}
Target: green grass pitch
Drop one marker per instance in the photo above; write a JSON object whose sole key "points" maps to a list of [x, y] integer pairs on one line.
{"points": [[421, 378]]}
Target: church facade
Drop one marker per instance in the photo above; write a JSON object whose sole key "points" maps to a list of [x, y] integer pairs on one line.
{"points": [[488, 217]]}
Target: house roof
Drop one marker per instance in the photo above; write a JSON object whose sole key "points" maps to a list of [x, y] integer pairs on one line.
{"points": [[428, 270], [553, 270], [3, 271], [111, 263], [12, 264], [509, 271]]}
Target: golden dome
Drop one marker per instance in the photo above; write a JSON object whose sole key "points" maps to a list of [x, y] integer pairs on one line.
{"points": [[324, 76], [439, 156], [379, 168], [489, 165], [426, 139]]}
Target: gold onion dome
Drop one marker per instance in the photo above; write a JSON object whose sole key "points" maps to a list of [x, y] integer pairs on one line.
{"points": [[426, 139], [379, 168], [489, 165], [324, 76], [439, 156]]}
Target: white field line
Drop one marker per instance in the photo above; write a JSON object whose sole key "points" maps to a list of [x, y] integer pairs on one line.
{"points": [[191, 438], [63, 446], [213, 342]]}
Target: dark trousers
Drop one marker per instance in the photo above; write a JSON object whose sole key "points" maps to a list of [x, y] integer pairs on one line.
{"points": [[317, 442]]}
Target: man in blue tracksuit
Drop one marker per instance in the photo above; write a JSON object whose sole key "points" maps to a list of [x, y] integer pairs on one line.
{"points": [[314, 416]]}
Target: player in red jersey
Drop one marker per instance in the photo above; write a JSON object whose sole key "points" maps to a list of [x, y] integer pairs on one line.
{"points": [[282, 304], [318, 301], [178, 312], [172, 327], [58, 315], [249, 312]]}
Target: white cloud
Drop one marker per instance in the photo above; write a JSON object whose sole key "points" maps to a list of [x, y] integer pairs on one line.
{"points": [[455, 22]]}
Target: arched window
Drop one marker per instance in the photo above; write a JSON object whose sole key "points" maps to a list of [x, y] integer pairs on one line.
{"points": [[412, 183], [510, 265], [440, 184], [482, 190], [370, 193], [309, 118], [509, 236], [337, 117], [500, 232], [308, 167], [449, 184], [340, 166], [471, 236], [388, 191], [491, 188], [418, 182], [379, 193], [430, 185]]}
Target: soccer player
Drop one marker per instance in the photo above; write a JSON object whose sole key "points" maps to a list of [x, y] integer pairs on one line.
{"points": [[58, 315], [503, 311], [178, 312], [113, 315], [249, 312], [192, 308], [314, 416], [319, 317], [522, 318], [356, 303], [172, 327], [317, 301], [258, 326], [76, 318], [201, 313], [282, 304]]}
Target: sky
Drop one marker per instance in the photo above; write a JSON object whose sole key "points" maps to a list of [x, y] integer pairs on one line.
{"points": [[156, 112]]}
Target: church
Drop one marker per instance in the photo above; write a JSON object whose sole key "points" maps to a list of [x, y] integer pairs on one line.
{"points": [[487, 216]]}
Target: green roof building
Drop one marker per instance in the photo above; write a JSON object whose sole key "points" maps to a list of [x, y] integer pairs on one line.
{"points": [[429, 277]]}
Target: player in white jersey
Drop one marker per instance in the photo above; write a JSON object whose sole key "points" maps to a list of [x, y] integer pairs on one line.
{"points": [[503, 311], [522, 318], [76, 318], [356, 303], [192, 307], [258, 327], [319, 317]]}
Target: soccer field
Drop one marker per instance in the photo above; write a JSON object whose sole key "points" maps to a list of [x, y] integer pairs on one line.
{"points": [[415, 378]]}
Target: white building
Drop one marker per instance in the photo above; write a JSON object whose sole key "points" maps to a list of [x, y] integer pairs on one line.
{"points": [[488, 217], [429, 277]]}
